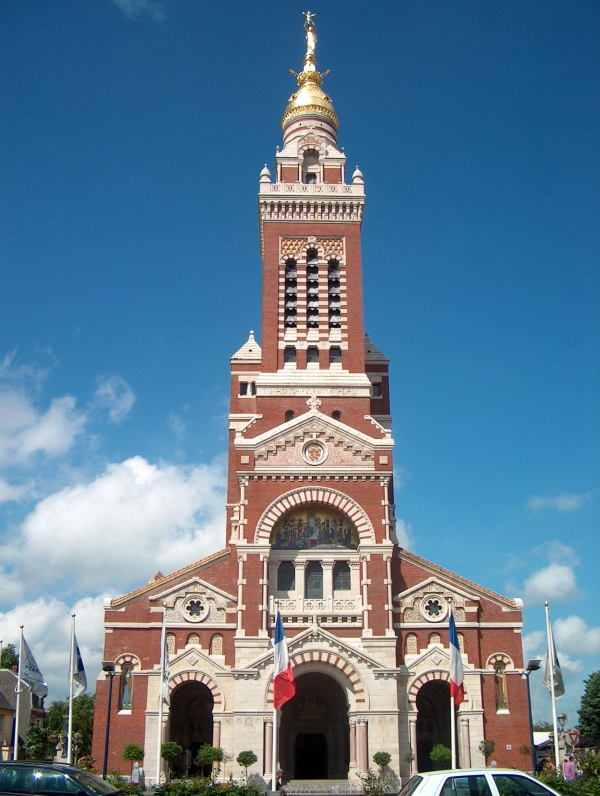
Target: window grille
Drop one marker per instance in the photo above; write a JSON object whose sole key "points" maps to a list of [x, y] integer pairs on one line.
{"points": [[341, 576], [312, 289], [314, 581], [286, 577], [291, 293], [334, 292]]}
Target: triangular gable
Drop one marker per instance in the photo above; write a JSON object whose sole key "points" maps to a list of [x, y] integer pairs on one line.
{"points": [[183, 585], [310, 636], [345, 445], [187, 655], [438, 582], [458, 581]]}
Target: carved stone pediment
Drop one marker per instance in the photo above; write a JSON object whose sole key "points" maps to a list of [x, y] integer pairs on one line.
{"points": [[196, 602], [430, 601], [314, 441]]}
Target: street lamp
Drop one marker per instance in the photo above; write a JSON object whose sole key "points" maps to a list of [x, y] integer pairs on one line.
{"points": [[533, 666], [109, 668]]}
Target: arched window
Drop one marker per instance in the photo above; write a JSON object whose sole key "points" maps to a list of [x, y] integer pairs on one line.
{"points": [[312, 356], [314, 581], [289, 355], [171, 643], [312, 289], [291, 293], [435, 638], [334, 295], [216, 644], [500, 680], [193, 638], [289, 415], [126, 689], [286, 577], [335, 356], [411, 644], [336, 415], [461, 642], [341, 576], [310, 167]]}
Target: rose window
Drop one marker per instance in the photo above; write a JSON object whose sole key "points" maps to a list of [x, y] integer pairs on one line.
{"points": [[433, 609], [195, 608]]}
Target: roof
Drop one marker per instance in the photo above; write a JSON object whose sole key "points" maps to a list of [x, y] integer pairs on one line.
{"points": [[513, 605], [151, 585], [249, 352], [373, 354]]}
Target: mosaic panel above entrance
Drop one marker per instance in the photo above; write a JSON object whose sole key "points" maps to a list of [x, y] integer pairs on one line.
{"points": [[314, 525]]}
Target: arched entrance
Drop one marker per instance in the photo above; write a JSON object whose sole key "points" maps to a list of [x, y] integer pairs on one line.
{"points": [[190, 723], [433, 721], [314, 738]]}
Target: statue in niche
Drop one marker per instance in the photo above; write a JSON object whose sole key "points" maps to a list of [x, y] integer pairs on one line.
{"points": [[126, 686]]}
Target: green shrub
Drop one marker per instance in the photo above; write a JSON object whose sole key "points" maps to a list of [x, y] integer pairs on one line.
{"points": [[440, 755]]}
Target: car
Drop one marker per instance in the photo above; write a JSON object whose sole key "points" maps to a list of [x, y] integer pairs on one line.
{"points": [[476, 782], [50, 779]]}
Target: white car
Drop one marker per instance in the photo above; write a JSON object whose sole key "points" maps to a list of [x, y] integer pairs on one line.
{"points": [[475, 782]]}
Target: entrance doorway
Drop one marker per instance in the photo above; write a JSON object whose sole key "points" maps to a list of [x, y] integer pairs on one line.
{"points": [[310, 756], [191, 724], [433, 721], [314, 737]]}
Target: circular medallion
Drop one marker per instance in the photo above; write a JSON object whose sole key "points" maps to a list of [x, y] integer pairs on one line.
{"points": [[195, 608], [434, 609], [314, 452]]}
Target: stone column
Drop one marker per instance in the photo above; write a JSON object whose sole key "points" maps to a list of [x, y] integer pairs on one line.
{"points": [[268, 750], [265, 592], [352, 743], [216, 740], [327, 581], [465, 743], [412, 724], [390, 598], [365, 593], [363, 751], [240, 590], [300, 566]]}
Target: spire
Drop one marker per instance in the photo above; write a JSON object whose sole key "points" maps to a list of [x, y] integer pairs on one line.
{"points": [[310, 99]]}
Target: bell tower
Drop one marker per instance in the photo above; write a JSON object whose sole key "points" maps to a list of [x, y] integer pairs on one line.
{"points": [[310, 457]]}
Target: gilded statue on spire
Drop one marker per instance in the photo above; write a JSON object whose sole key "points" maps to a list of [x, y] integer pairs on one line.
{"points": [[311, 41]]}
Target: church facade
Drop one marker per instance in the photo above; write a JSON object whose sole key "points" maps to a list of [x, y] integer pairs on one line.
{"points": [[311, 528]]}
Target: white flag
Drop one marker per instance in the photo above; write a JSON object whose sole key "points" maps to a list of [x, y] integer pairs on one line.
{"points": [[31, 674], [79, 678], [165, 684], [552, 660]]}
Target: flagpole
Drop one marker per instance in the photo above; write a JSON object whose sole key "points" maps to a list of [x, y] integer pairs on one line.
{"points": [[18, 705], [274, 752], [160, 696], [551, 658], [70, 725]]}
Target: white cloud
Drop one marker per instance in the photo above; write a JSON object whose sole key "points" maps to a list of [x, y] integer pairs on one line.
{"points": [[404, 535], [117, 530], [47, 630], [573, 635], [10, 492], [565, 501], [24, 431], [555, 583], [116, 395], [134, 9]]}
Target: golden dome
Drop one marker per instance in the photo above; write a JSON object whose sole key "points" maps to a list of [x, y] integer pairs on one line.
{"points": [[310, 99]]}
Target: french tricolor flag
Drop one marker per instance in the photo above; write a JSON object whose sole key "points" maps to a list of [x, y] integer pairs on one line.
{"points": [[457, 689], [284, 686]]}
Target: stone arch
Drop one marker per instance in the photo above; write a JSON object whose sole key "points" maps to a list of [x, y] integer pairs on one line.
{"points": [[128, 657], [335, 666], [200, 677], [314, 495], [434, 674], [499, 657]]}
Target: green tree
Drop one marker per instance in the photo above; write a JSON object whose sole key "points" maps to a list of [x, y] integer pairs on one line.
{"points": [[209, 755], [371, 784], [36, 742], [9, 657], [543, 726], [133, 752], [487, 749], [589, 712], [168, 751], [440, 755], [245, 760], [83, 720], [382, 759]]}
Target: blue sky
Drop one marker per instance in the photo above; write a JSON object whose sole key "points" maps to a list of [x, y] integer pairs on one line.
{"points": [[132, 136]]}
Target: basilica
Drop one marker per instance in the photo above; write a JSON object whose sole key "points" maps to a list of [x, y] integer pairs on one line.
{"points": [[311, 529]]}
